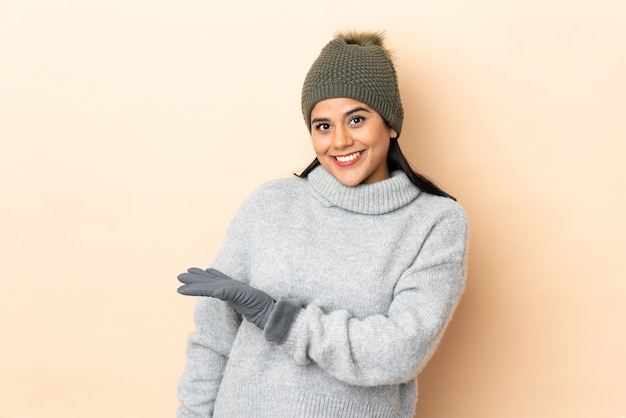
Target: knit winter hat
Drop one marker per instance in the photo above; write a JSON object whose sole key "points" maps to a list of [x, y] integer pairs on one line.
{"points": [[355, 65]]}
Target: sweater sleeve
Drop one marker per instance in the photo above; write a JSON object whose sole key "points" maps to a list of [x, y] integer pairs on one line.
{"points": [[216, 326], [388, 348], [207, 354]]}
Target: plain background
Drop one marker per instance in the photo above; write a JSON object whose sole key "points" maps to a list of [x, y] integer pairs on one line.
{"points": [[130, 132]]}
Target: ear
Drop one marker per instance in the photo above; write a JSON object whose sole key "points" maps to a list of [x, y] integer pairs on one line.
{"points": [[393, 134]]}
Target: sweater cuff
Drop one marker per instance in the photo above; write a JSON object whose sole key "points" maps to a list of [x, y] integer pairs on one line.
{"points": [[280, 321]]}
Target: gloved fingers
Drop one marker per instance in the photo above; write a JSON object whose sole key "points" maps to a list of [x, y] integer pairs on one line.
{"points": [[194, 289], [190, 278], [216, 274], [197, 275], [199, 289]]}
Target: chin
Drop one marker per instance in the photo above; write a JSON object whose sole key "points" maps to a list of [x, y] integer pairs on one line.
{"points": [[349, 181], [343, 176]]}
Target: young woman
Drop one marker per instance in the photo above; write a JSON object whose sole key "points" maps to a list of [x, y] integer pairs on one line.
{"points": [[331, 289]]}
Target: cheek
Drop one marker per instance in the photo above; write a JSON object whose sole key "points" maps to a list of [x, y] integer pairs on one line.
{"points": [[380, 141], [319, 145]]}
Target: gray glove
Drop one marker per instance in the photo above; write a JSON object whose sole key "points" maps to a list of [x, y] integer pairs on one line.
{"points": [[255, 305]]}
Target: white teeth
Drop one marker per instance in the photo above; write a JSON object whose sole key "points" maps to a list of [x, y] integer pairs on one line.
{"points": [[347, 158]]}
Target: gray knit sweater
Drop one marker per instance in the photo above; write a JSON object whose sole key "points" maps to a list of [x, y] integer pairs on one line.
{"points": [[366, 279]]}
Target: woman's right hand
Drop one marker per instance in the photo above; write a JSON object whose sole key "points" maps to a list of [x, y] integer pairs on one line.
{"points": [[254, 304]]}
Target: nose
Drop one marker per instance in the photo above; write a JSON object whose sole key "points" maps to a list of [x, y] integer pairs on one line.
{"points": [[341, 138]]}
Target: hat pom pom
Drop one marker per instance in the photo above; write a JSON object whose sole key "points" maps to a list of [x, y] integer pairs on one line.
{"points": [[364, 39]]}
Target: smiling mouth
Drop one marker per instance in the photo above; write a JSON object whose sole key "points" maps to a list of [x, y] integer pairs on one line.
{"points": [[344, 160]]}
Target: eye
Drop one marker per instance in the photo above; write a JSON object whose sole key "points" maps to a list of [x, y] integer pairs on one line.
{"points": [[322, 127], [356, 120]]}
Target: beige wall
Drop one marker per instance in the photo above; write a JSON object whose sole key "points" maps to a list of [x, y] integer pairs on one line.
{"points": [[131, 130]]}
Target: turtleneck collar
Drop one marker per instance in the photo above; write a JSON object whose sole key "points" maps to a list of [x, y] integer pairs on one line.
{"points": [[369, 199]]}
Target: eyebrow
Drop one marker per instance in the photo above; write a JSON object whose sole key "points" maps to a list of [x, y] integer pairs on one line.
{"points": [[345, 115]]}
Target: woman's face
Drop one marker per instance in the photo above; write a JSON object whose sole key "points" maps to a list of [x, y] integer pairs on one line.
{"points": [[351, 140]]}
